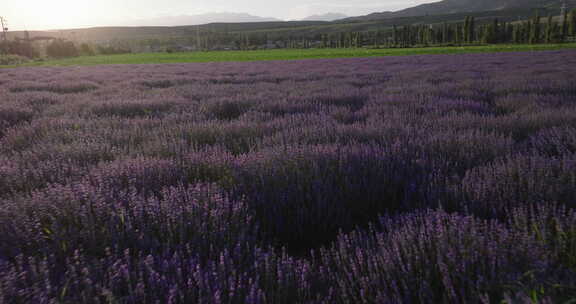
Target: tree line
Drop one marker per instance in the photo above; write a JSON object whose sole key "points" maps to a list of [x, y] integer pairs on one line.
{"points": [[537, 29], [532, 31], [55, 48]]}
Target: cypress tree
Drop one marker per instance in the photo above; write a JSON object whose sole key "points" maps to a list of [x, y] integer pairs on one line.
{"points": [[466, 29], [527, 31], [406, 36], [564, 30], [472, 30], [506, 33], [432, 39], [548, 36], [457, 34], [535, 35], [496, 31], [422, 34], [516, 33], [532, 33], [572, 23], [485, 33], [510, 31], [395, 37], [556, 33]]}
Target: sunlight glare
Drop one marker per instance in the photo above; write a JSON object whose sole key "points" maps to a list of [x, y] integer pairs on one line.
{"points": [[59, 13]]}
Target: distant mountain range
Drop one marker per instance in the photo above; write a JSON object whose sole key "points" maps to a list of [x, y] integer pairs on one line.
{"points": [[325, 17], [444, 7], [461, 6], [208, 18], [200, 19]]}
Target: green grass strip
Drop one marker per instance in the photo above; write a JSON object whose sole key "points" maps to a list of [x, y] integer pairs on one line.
{"points": [[284, 54]]}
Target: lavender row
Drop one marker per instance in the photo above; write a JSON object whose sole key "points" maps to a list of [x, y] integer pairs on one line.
{"points": [[421, 257]]}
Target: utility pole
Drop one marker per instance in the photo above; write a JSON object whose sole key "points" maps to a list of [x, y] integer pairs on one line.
{"points": [[198, 38], [4, 24], [563, 10]]}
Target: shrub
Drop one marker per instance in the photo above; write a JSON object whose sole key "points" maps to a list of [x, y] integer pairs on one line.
{"points": [[12, 59], [60, 48]]}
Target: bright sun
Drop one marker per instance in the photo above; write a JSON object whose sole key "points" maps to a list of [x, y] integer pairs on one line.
{"points": [[58, 13]]}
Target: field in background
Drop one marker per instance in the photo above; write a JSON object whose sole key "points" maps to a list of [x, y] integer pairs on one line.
{"points": [[285, 54]]}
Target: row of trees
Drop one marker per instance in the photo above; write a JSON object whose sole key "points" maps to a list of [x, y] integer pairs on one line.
{"points": [[56, 48], [535, 30], [531, 31], [60, 48], [18, 47], [470, 31]]}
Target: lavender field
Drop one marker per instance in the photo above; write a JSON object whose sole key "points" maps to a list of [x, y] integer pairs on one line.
{"points": [[420, 179]]}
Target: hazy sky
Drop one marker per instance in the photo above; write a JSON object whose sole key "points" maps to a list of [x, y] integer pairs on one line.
{"points": [[55, 14]]}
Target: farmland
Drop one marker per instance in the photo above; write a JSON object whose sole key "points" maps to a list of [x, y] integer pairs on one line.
{"points": [[401, 179], [286, 54]]}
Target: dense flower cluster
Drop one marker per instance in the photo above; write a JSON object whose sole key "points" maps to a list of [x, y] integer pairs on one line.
{"points": [[423, 179]]}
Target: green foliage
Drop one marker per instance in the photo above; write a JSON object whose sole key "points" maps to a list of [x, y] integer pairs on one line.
{"points": [[535, 30], [572, 23], [12, 59], [111, 50], [60, 48], [549, 30], [472, 29], [86, 50], [490, 34], [18, 47], [564, 30]]}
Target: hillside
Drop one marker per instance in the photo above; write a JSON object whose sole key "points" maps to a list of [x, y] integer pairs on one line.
{"points": [[325, 17], [463, 6], [151, 32], [183, 20]]}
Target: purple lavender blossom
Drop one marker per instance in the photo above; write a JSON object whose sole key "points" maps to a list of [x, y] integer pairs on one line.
{"points": [[422, 179]]}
